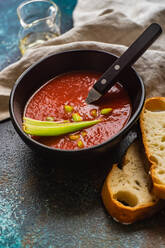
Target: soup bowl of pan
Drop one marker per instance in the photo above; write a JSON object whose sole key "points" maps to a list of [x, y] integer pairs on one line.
{"points": [[46, 73]]}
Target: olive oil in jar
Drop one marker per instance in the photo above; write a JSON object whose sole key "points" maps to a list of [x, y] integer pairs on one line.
{"points": [[40, 22], [35, 39]]}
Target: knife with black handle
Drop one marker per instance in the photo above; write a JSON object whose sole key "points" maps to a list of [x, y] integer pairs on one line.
{"points": [[128, 58]]}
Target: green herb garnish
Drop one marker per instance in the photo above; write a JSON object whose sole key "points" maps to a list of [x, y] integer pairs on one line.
{"points": [[106, 111]]}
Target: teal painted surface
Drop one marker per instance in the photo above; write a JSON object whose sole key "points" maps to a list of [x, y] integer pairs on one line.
{"points": [[11, 217], [9, 27]]}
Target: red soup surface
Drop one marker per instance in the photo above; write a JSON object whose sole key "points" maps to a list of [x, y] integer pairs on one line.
{"points": [[72, 89]]}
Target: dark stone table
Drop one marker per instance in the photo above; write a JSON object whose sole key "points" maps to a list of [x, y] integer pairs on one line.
{"points": [[57, 204]]}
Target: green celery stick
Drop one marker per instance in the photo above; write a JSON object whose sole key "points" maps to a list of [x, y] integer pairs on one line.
{"points": [[40, 129], [31, 121]]}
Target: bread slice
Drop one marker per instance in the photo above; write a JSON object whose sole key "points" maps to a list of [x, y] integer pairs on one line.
{"points": [[127, 192], [152, 123]]}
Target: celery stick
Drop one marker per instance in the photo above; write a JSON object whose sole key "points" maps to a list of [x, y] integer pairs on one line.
{"points": [[31, 121], [56, 129]]}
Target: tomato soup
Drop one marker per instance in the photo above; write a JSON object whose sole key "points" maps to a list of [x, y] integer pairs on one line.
{"points": [[63, 96]]}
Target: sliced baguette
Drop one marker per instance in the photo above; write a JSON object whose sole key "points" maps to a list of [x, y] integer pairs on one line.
{"points": [[126, 192], [152, 123]]}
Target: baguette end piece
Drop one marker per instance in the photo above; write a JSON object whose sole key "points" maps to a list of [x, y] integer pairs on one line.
{"points": [[152, 123], [125, 201]]}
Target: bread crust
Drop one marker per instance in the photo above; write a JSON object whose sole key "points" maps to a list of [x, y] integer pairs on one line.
{"points": [[125, 214], [115, 206], [153, 103]]}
